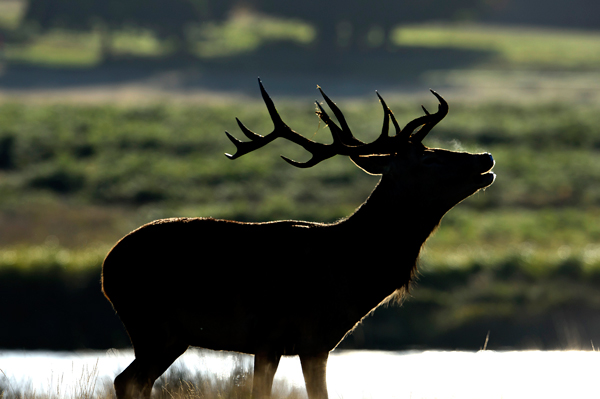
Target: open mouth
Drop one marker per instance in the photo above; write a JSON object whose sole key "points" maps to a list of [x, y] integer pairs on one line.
{"points": [[487, 177]]}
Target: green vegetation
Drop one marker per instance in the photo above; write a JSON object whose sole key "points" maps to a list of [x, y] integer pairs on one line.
{"points": [[66, 48], [74, 179], [11, 13], [509, 46], [246, 33], [171, 157]]}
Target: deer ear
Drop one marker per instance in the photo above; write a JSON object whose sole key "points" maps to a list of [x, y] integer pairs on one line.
{"points": [[373, 164]]}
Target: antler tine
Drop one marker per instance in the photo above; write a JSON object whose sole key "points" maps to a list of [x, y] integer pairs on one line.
{"points": [[385, 129], [429, 120], [388, 113], [311, 162], [336, 131], [433, 118], [345, 134], [277, 121], [244, 147]]}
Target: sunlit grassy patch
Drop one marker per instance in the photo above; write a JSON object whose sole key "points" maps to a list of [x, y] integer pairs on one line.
{"points": [[83, 49], [523, 47], [11, 12], [37, 258], [126, 166], [139, 43], [246, 32], [60, 48]]}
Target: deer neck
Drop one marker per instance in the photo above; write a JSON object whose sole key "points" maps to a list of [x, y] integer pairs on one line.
{"points": [[383, 238], [397, 216]]}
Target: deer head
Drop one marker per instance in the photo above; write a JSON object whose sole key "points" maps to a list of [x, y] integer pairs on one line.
{"points": [[443, 177]]}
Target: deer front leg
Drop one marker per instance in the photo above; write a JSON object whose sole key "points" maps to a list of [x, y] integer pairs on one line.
{"points": [[313, 368], [265, 366]]}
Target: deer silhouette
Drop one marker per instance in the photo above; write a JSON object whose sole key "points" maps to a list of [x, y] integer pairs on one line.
{"points": [[287, 287]]}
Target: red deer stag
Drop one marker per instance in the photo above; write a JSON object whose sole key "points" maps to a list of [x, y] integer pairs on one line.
{"points": [[286, 287]]}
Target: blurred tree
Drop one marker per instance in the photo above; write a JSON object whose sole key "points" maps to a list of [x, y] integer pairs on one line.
{"points": [[350, 25], [361, 24], [581, 14], [168, 19]]}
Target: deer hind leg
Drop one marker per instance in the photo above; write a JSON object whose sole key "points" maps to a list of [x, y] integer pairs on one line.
{"points": [[313, 369], [265, 366], [155, 350], [133, 382], [136, 381]]}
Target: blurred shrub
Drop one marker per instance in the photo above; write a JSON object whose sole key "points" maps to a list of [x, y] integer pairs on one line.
{"points": [[545, 154]]}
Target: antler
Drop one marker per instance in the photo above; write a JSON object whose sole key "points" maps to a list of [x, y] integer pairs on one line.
{"points": [[319, 151], [344, 142]]}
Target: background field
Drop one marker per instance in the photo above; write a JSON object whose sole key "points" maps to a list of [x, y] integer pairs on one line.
{"points": [[92, 147]]}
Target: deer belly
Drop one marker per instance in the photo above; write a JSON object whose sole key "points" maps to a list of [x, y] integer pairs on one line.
{"points": [[249, 333]]}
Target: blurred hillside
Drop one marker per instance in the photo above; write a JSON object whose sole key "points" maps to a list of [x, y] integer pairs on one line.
{"points": [[112, 115]]}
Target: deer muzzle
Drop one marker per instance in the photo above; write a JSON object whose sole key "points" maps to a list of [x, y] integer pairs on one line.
{"points": [[485, 176]]}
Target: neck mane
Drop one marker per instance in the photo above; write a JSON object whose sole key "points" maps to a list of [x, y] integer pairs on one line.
{"points": [[394, 225]]}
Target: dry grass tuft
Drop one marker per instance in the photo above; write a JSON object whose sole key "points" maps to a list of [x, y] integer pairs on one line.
{"points": [[177, 383]]}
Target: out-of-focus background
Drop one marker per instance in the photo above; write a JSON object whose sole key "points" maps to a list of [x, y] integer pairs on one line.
{"points": [[112, 115]]}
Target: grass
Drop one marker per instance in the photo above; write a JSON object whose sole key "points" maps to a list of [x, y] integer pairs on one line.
{"points": [[115, 168], [138, 153], [57, 48], [541, 241], [75, 179], [517, 47], [176, 383], [74, 49], [245, 33], [34, 258]]}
